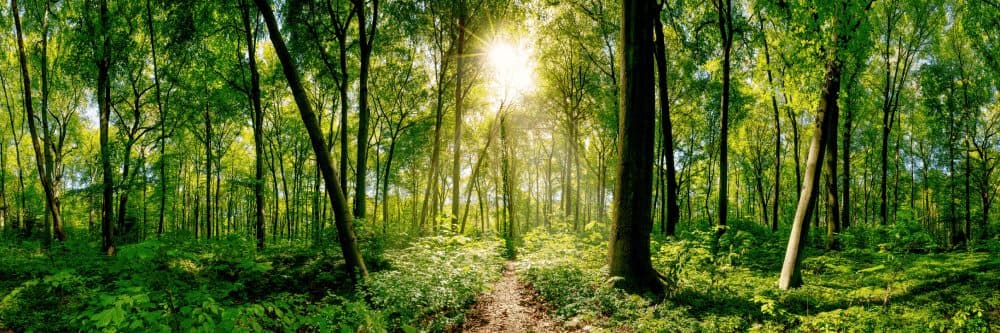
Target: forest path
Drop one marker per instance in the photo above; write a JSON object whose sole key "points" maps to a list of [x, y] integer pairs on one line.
{"points": [[510, 307]]}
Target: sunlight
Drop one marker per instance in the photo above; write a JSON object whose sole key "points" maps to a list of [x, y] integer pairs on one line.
{"points": [[512, 69]]}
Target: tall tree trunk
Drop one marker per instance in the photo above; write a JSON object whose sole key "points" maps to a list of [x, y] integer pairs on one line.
{"points": [[19, 213], [258, 124], [777, 131], [833, 207], [791, 276], [672, 210], [456, 166], [845, 216], [163, 118], [366, 35], [52, 200], [208, 173], [40, 159], [104, 104], [343, 219], [628, 252], [725, 12]]}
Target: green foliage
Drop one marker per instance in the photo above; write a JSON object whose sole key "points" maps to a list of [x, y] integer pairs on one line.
{"points": [[434, 280], [177, 284], [856, 290]]}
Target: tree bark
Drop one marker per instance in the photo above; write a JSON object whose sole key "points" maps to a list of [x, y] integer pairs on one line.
{"points": [[163, 118], [258, 124], [672, 210], [456, 166], [32, 128], [343, 219], [366, 39], [725, 12], [791, 277], [629, 253], [777, 131]]}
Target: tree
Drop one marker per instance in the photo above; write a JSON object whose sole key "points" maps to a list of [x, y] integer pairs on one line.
{"points": [[725, 10], [848, 16], [673, 210], [629, 254], [366, 37], [258, 122], [51, 201], [343, 219]]}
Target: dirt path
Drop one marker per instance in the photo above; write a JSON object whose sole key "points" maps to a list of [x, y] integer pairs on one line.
{"points": [[510, 307]]}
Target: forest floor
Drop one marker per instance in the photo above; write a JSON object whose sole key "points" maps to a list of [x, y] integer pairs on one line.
{"points": [[511, 306]]}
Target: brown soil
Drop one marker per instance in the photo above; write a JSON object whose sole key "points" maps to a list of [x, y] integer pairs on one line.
{"points": [[510, 307]]}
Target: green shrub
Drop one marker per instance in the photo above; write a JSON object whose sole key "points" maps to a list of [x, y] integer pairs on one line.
{"points": [[434, 280]]}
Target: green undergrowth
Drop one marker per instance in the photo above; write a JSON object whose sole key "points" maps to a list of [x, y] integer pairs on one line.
{"points": [[226, 285], [878, 288]]}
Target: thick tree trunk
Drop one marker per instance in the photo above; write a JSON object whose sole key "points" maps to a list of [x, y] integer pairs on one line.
{"points": [[628, 252], [343, 218], [833, 207], [845, 216]]}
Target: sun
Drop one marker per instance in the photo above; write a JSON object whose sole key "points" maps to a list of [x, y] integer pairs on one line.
{"points": [[512, 68]]}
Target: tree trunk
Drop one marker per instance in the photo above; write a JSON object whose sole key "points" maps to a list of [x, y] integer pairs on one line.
{"points": [[628, 253], [258, 125], [791, 277], [845, 216], [724, 9], [672, 210], [343, 218], [833, 207], [208, 173], [777, 132], [163, 119], [366, 38], [29, 110], [456, 166]]}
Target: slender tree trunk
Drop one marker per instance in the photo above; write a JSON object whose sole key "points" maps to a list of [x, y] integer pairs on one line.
{"points": [[777, 132], [163, 118], [670, 205], [19, 213], [104, 104], [208, 173], [343, 218], [30, 114], [456, 166], [791, 276], [258, 124], [366, 35], [724, 9]]}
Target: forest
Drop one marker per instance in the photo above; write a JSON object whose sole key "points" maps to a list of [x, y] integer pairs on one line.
{"points": [[499, 166]]}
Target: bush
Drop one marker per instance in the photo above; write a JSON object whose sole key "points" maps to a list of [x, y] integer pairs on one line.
{"points": [[434, 280]]}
